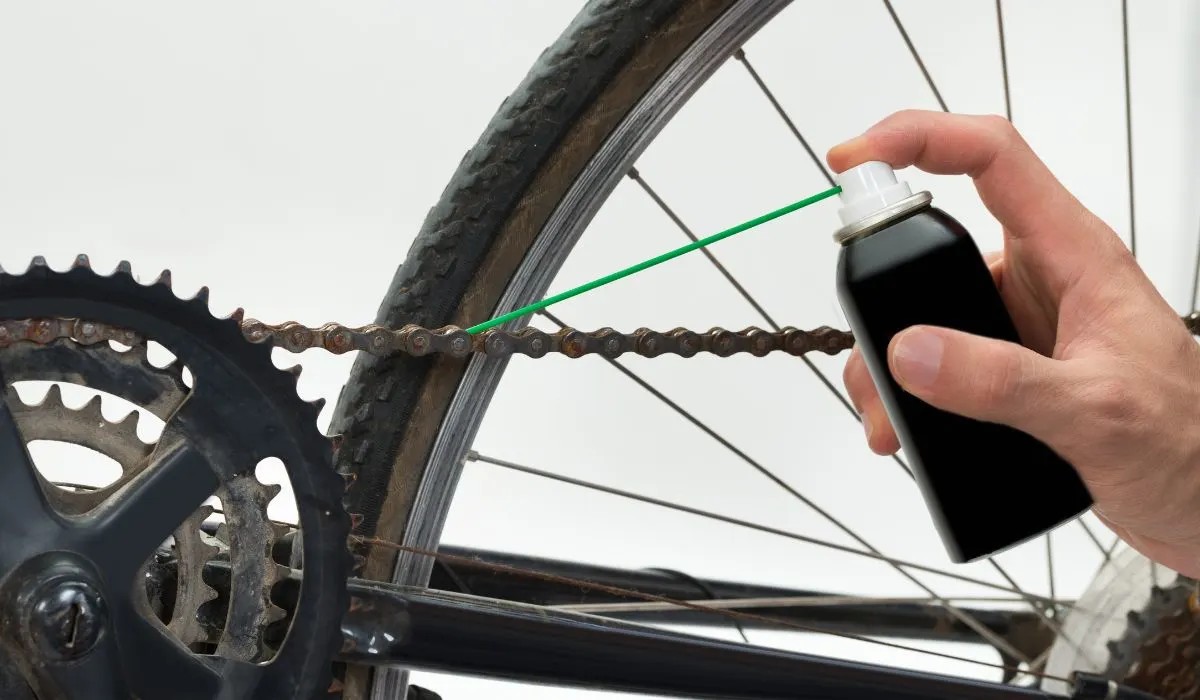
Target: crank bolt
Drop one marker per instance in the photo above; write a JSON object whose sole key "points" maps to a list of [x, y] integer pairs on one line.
{"points": [[67, 618]]}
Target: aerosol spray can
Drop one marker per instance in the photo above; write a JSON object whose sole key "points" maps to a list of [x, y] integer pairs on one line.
{"points": [[904, 262]]}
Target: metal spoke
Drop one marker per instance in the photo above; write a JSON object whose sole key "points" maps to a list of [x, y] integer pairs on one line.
{"points": [[1008, 115], [1042, 605], [783, 602], [740, 55], [1050, 565], [636, 176], [576, 636], [766, 91], [1095, 540], [683, 576], [916, 56], [966, 619], [1128, 126], [709, 515], [1003, 60], [1196, 276]]}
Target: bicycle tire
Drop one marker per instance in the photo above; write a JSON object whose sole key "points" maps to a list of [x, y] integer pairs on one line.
{"points": [[460, 267], [465, 252], [472, 241]]}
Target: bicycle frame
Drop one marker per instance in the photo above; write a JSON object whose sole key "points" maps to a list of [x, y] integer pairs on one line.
{"points": [[389, 625]]}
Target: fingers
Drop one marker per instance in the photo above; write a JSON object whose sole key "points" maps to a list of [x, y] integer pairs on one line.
{"points": [[1013, 182], [981, 378], [881, 437]]}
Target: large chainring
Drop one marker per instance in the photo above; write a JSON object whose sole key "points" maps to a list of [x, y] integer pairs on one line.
{"points": [[54, 327], [159, 391], [240, 411]]}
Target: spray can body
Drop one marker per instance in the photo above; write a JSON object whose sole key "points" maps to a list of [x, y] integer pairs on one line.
{"points": [[988, 487]]}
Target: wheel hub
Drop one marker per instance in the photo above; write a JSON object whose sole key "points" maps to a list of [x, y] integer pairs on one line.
{"points": [[1135, 625]]}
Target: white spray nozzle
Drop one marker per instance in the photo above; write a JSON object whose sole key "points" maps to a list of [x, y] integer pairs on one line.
{"points": [[868, 188]]}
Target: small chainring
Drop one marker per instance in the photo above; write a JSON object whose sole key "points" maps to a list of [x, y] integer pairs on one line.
{"points": [[240, 411]]}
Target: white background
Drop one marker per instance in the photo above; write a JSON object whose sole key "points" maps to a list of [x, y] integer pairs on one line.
{"points": [[285, 154]]}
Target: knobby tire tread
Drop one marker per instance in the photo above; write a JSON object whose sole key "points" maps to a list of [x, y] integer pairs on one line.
{"points": [[471, 242]]}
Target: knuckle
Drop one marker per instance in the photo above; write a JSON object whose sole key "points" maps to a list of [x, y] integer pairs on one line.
{"points": [[1112, 404], [1001, 134], [999, 127]]}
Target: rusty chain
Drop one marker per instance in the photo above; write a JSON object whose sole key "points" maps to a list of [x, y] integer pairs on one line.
{"points": [[1169, 660], [455, 342], [532, 342]]}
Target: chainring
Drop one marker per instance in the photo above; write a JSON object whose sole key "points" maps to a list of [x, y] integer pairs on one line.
{"points": [[256, 407], [160, 391]]}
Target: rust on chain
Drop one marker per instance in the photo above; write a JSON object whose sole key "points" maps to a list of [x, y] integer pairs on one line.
{"points": [[46, 330], [531, 342], [456, 342]]}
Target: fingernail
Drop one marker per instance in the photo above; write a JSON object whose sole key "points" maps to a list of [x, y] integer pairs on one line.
{"points": [[917, 357], [850, 143]]}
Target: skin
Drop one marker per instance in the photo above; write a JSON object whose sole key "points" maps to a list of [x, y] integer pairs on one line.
{"points": [[1106, 375]]}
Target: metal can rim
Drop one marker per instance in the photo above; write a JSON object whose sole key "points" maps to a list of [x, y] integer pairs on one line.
{"points": [[852, 232]]}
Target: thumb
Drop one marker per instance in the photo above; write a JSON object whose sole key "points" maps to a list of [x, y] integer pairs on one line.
{"points": [[981, 378]]}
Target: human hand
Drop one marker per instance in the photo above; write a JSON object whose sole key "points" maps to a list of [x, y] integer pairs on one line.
{"points": [[1109, 376]]}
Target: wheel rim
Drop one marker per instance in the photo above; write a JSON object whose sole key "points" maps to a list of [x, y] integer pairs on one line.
{"points": [[553, 244], [537, 270]]}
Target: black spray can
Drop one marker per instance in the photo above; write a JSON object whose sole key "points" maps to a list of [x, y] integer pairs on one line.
{"points": [[904, 262]]}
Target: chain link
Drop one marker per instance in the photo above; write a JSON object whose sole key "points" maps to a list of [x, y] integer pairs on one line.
{"points": [[1168, 661], [456, 342]]}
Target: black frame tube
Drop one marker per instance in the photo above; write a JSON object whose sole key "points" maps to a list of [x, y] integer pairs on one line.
{"points": [[454, 633], [1023, 629]]}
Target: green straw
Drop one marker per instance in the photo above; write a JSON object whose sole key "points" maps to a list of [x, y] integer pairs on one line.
{"points": [[538, 306]]}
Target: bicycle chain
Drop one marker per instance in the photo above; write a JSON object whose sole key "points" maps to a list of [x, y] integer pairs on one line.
{"points": [[1168, 663], [455, 342], [532, 342]]}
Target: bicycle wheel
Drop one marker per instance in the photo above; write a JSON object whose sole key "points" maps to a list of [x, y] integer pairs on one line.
{"points": [[506, 223]]}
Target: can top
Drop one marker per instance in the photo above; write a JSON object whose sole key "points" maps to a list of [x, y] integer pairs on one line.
{"points": [[871, 195]]}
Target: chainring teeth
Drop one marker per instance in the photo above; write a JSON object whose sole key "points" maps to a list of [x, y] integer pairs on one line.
{"points": [[252, 535], [230, 327], [219, 340], [193, 549]]}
